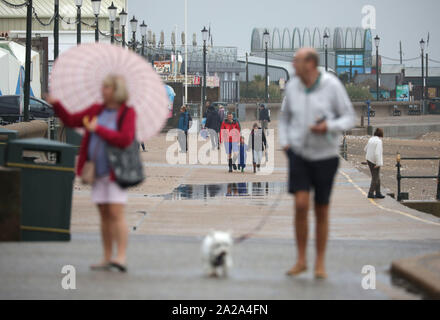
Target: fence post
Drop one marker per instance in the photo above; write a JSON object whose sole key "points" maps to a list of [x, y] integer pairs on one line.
{"points": [[438, 183], [399, 176]]}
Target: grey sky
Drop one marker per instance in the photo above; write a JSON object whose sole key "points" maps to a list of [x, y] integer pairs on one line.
{"points": [[232, 21]]}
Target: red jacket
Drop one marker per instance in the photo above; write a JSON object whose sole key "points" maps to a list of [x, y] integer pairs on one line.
{"points": [[230, 131], [122, 138]]}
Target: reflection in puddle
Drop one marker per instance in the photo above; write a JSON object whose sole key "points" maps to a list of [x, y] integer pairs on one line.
{"points": [[209, 191]]}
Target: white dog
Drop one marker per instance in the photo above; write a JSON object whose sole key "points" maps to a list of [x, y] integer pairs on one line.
{"points": [[216, 253]]}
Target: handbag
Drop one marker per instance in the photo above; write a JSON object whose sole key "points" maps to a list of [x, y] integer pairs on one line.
{"points": [[88, 171], [126, 163]]}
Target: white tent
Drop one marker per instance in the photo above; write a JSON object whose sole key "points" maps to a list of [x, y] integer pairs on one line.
{"points": [[12, 60]]}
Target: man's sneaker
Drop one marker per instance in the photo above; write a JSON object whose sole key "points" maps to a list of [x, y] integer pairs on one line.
{"points": [[234, 166], [371, 196], [380, 196]]}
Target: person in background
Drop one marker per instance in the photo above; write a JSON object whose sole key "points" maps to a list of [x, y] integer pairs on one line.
{"points": [[374, 156], [143, 147], [242, 155], [258, 144], [264, 117], [315, 111], [221, 113], [110, 123], [230, 135], [213, 124], [183, 126]]}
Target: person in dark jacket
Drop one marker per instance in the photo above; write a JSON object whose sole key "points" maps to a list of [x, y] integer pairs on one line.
{"points": [[264, 117], [213, 125], [258, 144], [184, 124]]}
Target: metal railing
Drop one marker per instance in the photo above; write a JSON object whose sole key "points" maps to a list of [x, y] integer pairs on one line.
{"points": [[400, 195]]}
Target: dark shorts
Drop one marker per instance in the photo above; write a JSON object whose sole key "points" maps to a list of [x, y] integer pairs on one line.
{"points": [[305, 175]]}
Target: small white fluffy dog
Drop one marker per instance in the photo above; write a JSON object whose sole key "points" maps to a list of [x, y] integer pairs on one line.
{"points": [[216, 253]]}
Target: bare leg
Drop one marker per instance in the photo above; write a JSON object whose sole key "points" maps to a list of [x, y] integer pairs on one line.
{"points": [[301, 231], [120, 232], [321, 212], [106, 235]]}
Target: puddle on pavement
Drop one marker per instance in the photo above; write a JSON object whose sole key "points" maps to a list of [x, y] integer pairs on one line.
{"points": [[226, 190]]}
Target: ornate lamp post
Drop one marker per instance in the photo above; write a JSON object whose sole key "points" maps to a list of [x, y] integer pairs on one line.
{"points": [[123, 22], [377, 42], [266, 39], [78, 20], [112, 17], [205, 38], [326, 39], [96, 5], [422, 48], [143, 27], [133, 25]]}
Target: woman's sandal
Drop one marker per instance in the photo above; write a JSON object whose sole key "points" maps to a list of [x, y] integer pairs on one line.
{"points": [[320, 275], [119, 267]]}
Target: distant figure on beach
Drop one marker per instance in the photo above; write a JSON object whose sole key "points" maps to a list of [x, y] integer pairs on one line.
{"points": [[183, 126], [230, 135], [374, 156], [110, 123], [258, 144], [315, 111]]}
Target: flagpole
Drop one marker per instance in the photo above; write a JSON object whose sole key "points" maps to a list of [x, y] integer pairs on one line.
{"points": [[186, 52]]}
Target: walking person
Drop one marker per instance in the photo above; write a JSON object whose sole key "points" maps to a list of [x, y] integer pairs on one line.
{"points": [[315, 111], [221, 113], [230, 135], [374, 156], [183, 126], [110, 123], [258, 144], [243, 148], [213, 124], [264, 117]]}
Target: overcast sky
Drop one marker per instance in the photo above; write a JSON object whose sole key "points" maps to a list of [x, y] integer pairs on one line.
{"points": [[232, 21]]}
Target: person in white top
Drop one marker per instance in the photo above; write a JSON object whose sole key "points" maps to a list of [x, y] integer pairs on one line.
{"points": [[374, 156]]}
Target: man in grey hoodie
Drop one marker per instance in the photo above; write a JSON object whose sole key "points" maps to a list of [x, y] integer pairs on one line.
{"points": [[316, 109]]}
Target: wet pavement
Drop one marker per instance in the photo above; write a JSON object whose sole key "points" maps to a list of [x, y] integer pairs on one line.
{"points": [[169, 267]]}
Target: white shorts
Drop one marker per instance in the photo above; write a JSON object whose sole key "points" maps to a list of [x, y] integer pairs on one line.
{"points": [[105, 191]]}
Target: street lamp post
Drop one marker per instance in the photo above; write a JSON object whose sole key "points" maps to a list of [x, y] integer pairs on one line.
{"points": [[377, 42], [143, 27], [112, 16], [123, 22], [78, 20], [205, 38], [133, 24], [422, 48], [266, 38], [56, 30], [27, 76], [96, 5], [326, 38]]}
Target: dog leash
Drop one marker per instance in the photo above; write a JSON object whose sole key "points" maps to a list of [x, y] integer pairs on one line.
{"points": [[262, 222]]}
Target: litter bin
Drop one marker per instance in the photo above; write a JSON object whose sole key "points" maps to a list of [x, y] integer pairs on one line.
{"points": [[47, 173], [6, 135]]}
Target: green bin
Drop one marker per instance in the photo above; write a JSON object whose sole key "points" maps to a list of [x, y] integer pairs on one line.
{"points": [[6, 135], [47, 174]]}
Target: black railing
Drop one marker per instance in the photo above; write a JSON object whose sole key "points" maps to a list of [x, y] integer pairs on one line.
{"points": [[401, 196]]}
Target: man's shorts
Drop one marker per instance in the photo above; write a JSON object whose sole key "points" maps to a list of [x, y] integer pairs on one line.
{"points": [[305, 175], [231, 147]]}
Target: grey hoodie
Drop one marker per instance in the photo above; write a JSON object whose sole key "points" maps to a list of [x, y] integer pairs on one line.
{"points": [[302, 108]]}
